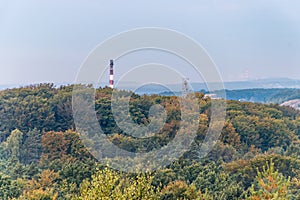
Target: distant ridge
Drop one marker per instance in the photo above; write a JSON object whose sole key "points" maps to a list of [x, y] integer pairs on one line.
{"points": [[197, 86], [235, 85], [259, 83], [9, 86]]}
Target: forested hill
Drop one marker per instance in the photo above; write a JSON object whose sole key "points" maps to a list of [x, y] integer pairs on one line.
{"points": [[258, 95], [271, 95], [42, 156]]}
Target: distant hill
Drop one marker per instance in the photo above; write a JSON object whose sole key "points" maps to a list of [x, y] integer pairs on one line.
{"points": [[258, 95], [7, 86], [273, 95], [250, 84], [274, 83], [273, 90], [263, 83], [197, 86]]}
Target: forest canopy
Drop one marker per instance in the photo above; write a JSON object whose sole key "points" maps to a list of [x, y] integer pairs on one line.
{"points": [[43, 157]]}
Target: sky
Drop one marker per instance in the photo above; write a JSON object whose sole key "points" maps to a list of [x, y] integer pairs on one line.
{"points": [[47, 41]]}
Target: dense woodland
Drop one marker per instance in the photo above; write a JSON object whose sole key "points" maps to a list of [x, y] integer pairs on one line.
{"points": [[42, 157]]}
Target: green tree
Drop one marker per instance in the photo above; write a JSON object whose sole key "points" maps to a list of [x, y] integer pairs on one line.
{"points": [[218, 183], [42, 188], [270, 184], [109, 184], [14, 144], [9, 188], [180, 190], [32, 146]]}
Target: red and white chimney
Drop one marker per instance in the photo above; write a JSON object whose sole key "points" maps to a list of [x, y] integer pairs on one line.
{"points": [[111, 74]]}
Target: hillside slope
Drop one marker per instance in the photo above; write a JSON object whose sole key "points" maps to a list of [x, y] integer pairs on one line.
{"points": [[43, 157]]}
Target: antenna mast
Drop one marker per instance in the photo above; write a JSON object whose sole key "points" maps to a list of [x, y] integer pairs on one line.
{"points": [[185, 87]]}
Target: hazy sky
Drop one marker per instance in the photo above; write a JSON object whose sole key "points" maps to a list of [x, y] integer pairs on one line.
{"points": [[47, 41]]}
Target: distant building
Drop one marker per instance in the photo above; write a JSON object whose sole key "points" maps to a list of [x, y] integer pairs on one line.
{"points": [[212, 96], [295, 103]]}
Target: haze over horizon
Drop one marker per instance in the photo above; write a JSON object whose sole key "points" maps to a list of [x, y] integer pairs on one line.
{"points": [[48, 41]]}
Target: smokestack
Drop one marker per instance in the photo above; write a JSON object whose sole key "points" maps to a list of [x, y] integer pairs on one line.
{"points": [[111, 74]]}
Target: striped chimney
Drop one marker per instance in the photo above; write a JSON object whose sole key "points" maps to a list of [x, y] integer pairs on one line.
{"points": [[111, 74]]}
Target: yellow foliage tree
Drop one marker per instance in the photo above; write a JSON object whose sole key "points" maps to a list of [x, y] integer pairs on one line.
{"points": [[109, 184], [42, 188], [270, 185]]}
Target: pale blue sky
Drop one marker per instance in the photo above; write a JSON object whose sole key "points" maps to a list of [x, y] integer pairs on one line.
{"points": [[46, 41]]}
